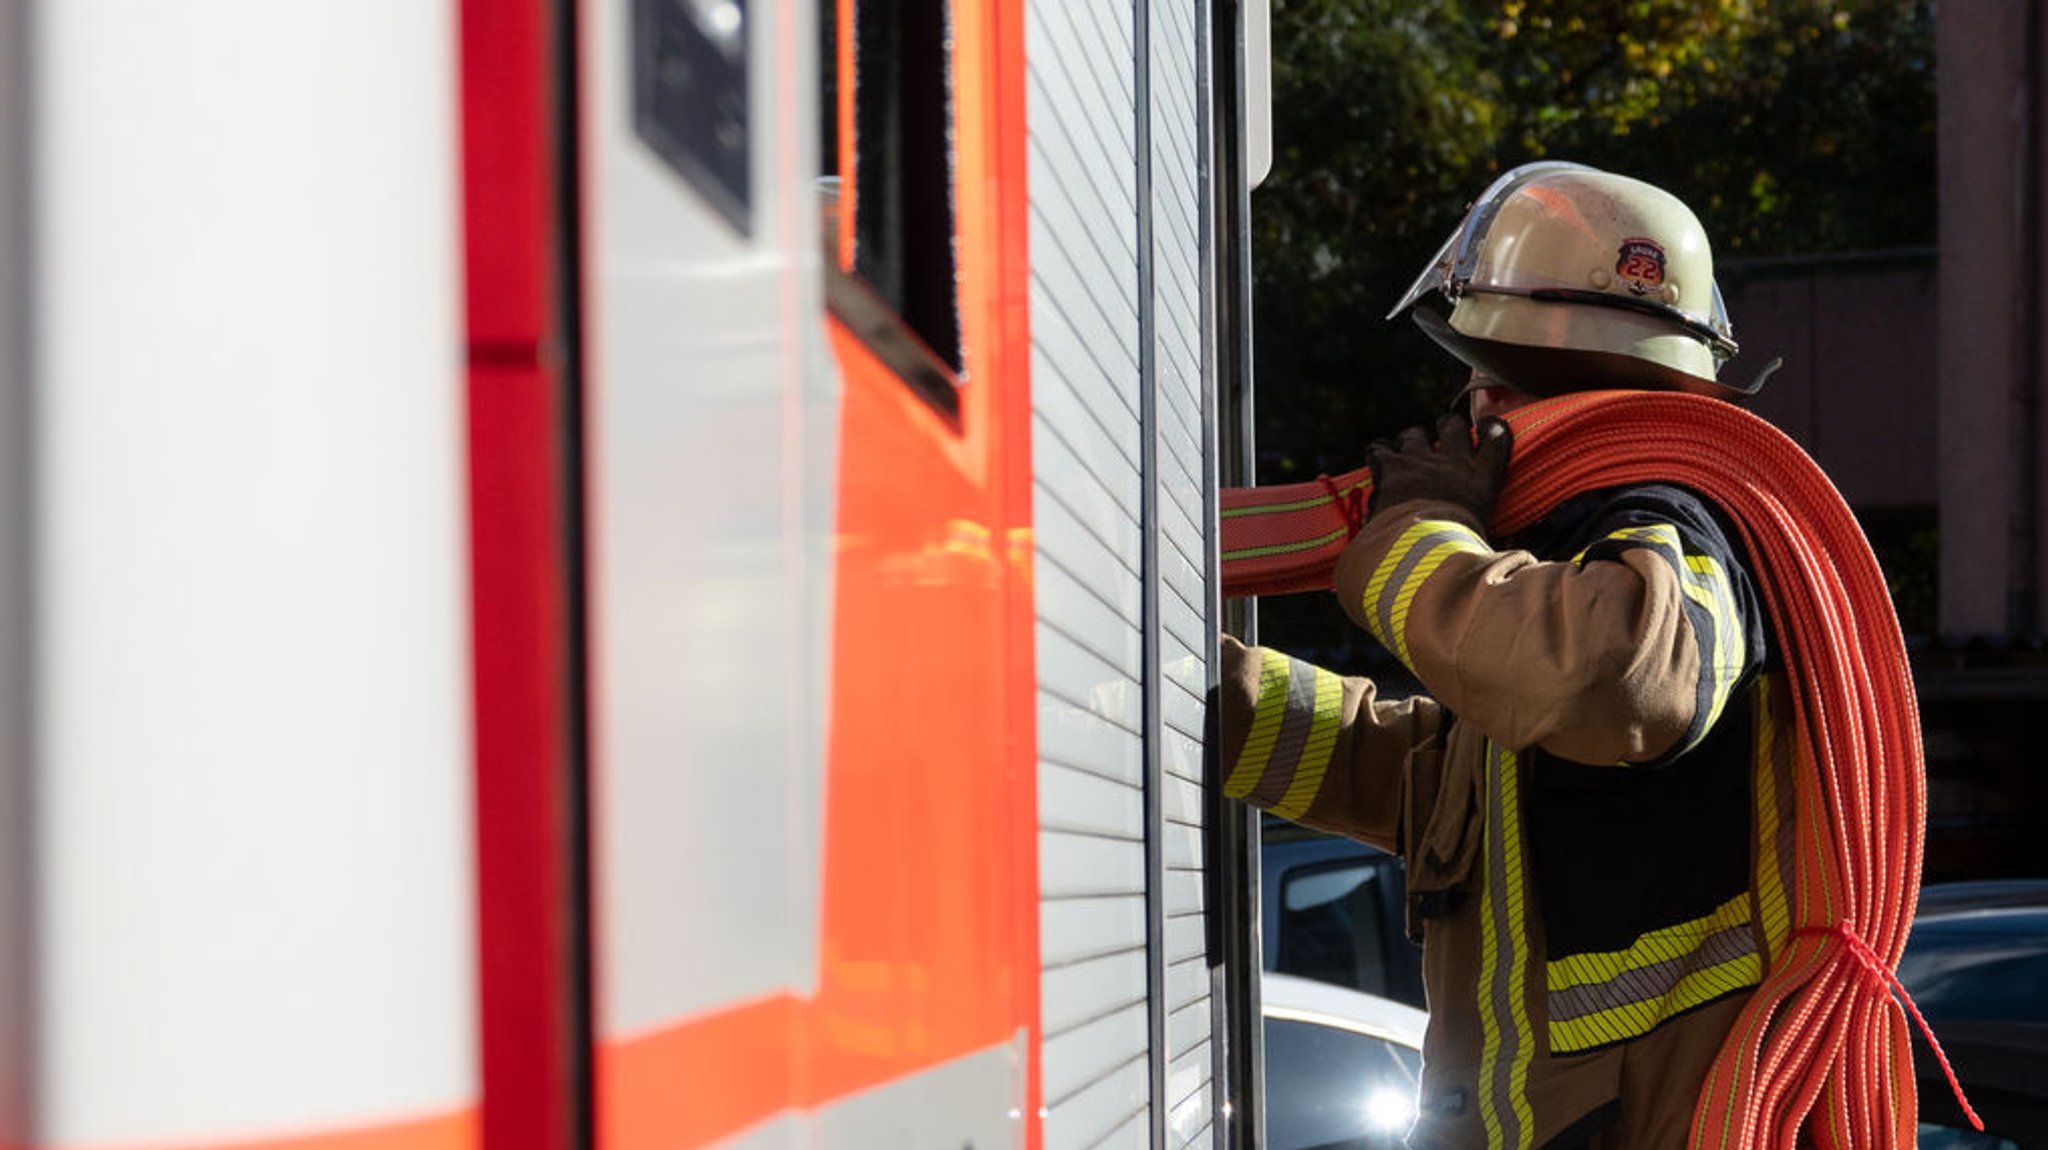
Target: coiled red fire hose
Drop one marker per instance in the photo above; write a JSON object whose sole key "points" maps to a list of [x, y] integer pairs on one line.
{"points": [[1823, 1047]]}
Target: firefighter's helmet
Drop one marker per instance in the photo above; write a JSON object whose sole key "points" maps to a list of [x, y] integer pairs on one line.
{"points": [[1566, 278]]}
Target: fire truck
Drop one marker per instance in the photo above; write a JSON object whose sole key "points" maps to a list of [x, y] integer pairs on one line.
{"points": [[621, 573]]}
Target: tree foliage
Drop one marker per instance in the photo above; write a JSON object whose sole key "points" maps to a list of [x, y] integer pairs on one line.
{"points": [[1792, 127]]}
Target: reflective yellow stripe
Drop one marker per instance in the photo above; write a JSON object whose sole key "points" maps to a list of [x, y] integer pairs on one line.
{"points": [[1770, 865], [1415, 556], [1631, 1020], [1491, 1025], [1661, 534], [1705, 582], [1266, 716], [1656, 946], [1506, 1043], [1314, 761], [1406, 599], [1598, 999], [1376, 587]]}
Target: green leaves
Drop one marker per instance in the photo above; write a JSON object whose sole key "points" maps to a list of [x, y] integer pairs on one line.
{"points": [[1791, 126]]}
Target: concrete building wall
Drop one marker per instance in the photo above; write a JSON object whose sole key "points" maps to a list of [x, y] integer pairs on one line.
{"points": [[1990, 305], [1858, 385]]}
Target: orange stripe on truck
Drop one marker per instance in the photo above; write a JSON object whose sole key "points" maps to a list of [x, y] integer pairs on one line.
{"points": [[717, 1075], [453, 1130]]}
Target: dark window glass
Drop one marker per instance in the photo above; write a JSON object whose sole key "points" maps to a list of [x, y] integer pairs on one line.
{"points": [[690, 97], [900, 292], [1333, 1089], [828, 89], [1332, 926], [903, 136]]}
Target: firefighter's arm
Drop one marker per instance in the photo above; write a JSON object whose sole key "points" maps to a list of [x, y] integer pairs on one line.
{"points": [[1613, 657], [1315, 747]]}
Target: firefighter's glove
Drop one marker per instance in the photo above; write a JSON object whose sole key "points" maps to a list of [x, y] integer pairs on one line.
{"points": [[1454, 469]]}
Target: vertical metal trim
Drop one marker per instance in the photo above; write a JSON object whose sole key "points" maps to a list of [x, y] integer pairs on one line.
{"points": [[1239, 460], [19, 1022], [580, 1005], [1148, 566], [1231, 831], [1218, 864]]}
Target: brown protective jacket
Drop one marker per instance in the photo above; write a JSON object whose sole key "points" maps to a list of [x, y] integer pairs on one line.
{"points": [[1593, 800]]}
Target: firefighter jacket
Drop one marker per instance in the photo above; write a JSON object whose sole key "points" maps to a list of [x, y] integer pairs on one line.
{"points": [[1593, 800]]}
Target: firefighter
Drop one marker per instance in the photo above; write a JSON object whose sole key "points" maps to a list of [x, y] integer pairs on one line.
{"points": [[1589, 796]]}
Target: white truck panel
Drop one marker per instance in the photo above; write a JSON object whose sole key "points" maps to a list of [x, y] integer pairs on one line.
{"points": [[250, 761], [1109, 223], [17, 864], [713, 420]]}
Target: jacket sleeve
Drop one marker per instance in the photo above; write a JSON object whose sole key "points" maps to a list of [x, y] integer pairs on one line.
{"points": [[1315, 747], [1623, 654]]}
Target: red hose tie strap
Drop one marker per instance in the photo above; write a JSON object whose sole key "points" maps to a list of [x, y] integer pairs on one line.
{"points": [[1880, 974]]}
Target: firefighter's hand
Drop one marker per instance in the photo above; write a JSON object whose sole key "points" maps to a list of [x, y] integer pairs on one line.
{"points": [[1453, 469]]}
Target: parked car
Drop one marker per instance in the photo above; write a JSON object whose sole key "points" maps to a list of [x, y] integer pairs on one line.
{"points": [[1976, 964], [1341, 1066], [1949, 897], [1333, 910]]}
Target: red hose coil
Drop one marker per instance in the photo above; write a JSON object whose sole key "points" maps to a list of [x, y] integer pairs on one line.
{"points": [[1823, 1047]]}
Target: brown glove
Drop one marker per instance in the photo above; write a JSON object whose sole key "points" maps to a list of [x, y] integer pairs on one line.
{"points": [[1452, 469]]}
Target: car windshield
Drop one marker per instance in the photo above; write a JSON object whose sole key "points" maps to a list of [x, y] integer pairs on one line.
{"points": [[1327, 1086]]}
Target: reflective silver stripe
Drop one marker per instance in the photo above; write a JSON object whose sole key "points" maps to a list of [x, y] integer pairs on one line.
{"points": [[1705, 585], [1294, 728], [1267, 711], [1314, 764], [1421, 547]]}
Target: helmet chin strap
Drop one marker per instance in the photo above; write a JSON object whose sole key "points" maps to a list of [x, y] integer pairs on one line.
{"points": [[1769, 369]]}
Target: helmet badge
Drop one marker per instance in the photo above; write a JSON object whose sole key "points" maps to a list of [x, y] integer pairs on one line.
{"points": [[1641, 265]]}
